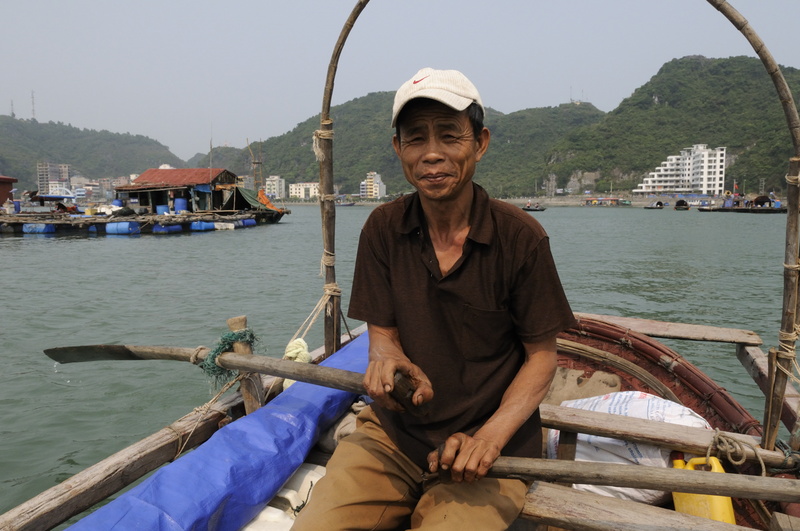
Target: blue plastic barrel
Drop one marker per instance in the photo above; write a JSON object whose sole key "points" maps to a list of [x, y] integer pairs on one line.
{"points": [[181, 204], [249, 222], [158, 228], [202, 225], [123, 227], [17, 207], [162, 209], [117, 202], [38, 228]]}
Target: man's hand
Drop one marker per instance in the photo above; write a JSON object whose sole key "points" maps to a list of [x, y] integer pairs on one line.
{"points": [[386, 358], [466, 458], [469, 458]]}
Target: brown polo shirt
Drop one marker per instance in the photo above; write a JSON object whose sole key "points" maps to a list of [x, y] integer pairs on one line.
{"points": [[464, 330]]}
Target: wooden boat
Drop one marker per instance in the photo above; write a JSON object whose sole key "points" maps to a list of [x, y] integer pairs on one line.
{"points": [[605, 201], [759, 205], [681, 204], [534, 208], [618, 352], [603, 354], [655, 205]]}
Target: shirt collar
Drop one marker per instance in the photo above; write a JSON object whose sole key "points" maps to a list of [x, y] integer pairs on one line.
{"points": [[481, 227]]}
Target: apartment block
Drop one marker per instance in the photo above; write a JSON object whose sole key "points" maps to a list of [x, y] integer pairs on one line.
{"points": [[372, 187], [304, 190], [697, 170]]}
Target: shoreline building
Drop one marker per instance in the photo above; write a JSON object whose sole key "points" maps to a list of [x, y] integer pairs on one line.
{"points": [[697, 170], [372, 187], [306, 191], [53, 178], [275, 186]]}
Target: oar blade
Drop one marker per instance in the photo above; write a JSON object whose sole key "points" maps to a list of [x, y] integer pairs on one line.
{"points": [[90, 353]]}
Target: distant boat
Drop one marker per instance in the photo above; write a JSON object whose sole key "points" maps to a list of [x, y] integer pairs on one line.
{"points": [[605, 201], [681, 204], [534, 208], [760, 205], [655, 205]]}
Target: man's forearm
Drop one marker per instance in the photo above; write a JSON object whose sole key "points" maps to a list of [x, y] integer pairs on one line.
{"points": [[523, 395]]}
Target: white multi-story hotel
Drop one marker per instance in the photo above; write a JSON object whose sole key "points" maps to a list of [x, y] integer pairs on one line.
{"points": [[372, 187], [304, 190], [697, 170]]}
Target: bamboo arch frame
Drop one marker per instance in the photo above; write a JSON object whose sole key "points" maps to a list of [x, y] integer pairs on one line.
{"points": [[790, 323]]}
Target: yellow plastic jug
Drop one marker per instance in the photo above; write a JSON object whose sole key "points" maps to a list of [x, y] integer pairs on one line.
{"points": [[718, 508]]}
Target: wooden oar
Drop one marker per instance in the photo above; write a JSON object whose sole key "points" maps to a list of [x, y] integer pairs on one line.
{"points": [[314, 374], [304, 372]]}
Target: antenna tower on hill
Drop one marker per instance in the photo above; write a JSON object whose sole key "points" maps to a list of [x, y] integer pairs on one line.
{"points": [[256, 164]]}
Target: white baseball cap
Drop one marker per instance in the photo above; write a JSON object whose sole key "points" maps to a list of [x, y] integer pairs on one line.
{"points": [[450, 87]]}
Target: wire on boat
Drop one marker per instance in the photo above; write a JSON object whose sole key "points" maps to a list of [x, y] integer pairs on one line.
{"points": [[613, 360], [792, 457], [790, 372], [202, 410], [329, 291]]}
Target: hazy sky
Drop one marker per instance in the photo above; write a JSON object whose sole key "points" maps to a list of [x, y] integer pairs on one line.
{"points": [[187, 72]]}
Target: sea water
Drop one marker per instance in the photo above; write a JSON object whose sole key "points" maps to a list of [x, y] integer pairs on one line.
{"points": [[178, 290]]}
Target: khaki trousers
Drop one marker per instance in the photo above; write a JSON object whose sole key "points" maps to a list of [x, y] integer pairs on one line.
{"points": [[371, 485]]}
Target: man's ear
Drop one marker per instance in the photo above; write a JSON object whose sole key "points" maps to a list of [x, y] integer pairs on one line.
{"points": [[396, 144], [483, 143]]}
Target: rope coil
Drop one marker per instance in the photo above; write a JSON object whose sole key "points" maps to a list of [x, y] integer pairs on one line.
{"points": [[321, 134], [733, 450], [221, 375]]}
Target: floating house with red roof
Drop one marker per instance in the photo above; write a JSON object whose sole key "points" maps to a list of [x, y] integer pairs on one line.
{"points": [[195, 190]]}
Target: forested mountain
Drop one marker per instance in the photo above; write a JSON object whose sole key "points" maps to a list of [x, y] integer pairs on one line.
{"points": [[93, 154], [694, 100], [720, 102]]}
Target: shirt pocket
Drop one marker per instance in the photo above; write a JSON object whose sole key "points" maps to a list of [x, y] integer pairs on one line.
{"points": [[485, 333]]}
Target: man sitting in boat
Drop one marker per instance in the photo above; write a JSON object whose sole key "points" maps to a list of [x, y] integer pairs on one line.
{"points": [[461, 295]]}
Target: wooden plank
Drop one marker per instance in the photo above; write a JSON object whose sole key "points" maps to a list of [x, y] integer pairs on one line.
{"points": [[678, 330], [756, 363], [784, 522], [567, 508], [665, 435], [666, 479]]}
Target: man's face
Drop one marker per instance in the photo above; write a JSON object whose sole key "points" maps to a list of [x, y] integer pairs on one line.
{"points": [[438, 149]]}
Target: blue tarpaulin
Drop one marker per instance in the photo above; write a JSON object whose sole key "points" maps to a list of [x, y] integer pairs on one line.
{"points": [[226, 481]]}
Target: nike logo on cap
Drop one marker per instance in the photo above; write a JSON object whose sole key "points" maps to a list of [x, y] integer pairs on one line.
{"points": [[419, 80]]}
